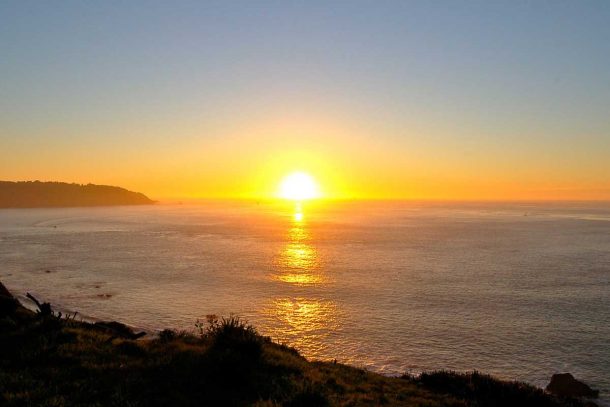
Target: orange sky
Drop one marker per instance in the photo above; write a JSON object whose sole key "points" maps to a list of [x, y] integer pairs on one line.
{"points": [[249, 159], [397, 101]]}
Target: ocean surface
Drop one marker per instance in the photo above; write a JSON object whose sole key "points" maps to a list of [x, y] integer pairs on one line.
{"points": [[520, 291]]}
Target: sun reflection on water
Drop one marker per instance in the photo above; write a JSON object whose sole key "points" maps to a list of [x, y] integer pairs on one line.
{"points": [[303, 323], [299, 262], [301, 316]]}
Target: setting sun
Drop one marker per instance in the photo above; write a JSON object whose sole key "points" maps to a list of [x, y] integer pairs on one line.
{"points": [[298, 186], [367, 203]]}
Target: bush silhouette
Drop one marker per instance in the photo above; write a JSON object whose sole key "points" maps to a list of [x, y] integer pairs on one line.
{"points": [[234, 334], [484, 390]]}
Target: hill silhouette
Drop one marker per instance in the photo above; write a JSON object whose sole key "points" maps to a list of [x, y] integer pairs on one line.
{"points": [[36, 194], [51, 359]]}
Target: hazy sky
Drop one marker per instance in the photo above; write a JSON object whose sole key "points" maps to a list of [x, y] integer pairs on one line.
{"points": [[431, 99]]}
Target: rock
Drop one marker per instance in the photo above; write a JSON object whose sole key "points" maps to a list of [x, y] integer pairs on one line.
{"points": [[118, 330], [4, 292], [565, 385], [8, 304]]}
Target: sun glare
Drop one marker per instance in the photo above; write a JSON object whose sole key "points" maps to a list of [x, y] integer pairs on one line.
{"points": [[299, 186]]}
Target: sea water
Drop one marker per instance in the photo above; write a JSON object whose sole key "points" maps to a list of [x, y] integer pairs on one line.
{"points": [[520, 291]]}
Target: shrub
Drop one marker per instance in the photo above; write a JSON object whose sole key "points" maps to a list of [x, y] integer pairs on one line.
{"points": [[130, 348], [167, 335], [233, 335], [230, 328], [309, 396], [481, 389]]}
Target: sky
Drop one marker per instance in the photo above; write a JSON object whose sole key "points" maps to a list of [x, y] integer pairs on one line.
{"points": [[375, 99]]}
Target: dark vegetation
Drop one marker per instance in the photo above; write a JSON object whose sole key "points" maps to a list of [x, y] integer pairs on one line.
{"points": [[49, 359], [34, 194]]}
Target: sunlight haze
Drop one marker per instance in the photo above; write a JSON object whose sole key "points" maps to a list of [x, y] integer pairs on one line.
{"points": [[404, 100], [305, 203]]}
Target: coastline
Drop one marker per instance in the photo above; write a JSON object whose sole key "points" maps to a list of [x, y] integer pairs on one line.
{"points": [[36, 194], [236, 363]]}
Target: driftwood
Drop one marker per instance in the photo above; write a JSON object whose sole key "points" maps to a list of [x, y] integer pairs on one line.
{"points": [[114, 329], [44, 309]]}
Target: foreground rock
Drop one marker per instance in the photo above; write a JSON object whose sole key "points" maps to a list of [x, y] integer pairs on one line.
{"points": [[565, 385], [3, 291], [8, 304]]}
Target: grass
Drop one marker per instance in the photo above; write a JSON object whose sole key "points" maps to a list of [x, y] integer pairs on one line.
{"points": [[46, 360]]}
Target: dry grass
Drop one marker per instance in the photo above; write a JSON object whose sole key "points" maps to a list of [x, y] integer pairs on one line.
{"points": [[49, 361]]}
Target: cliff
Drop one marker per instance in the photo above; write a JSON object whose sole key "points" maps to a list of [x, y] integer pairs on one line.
{"points": [[36, 194]]}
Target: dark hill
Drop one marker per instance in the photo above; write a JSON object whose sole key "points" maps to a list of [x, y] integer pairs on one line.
{"points": [[50, 359], [36, 194]]}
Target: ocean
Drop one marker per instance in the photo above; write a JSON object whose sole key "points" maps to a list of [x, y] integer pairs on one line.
{"points": [[517, 290]]}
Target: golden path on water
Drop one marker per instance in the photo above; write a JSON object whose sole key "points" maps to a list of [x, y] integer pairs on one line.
{"points": [[298, 261], [301, 318], [303, 323]]}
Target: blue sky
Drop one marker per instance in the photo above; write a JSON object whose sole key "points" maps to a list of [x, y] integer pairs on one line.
{"points": [[525, 82]]}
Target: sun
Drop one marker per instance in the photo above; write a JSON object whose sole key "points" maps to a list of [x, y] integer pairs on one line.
{"points": [[298, 186]]}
